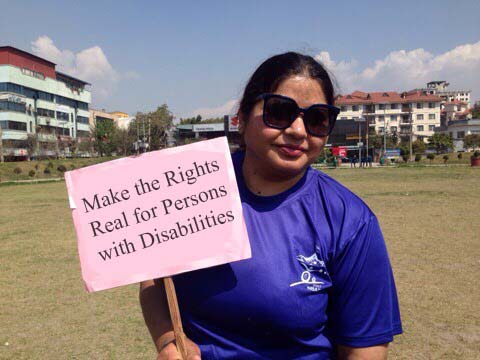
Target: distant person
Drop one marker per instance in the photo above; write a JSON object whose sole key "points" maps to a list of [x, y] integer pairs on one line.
{"points": [[369, 160], [335, 162], [319, 284], [355, 160]]}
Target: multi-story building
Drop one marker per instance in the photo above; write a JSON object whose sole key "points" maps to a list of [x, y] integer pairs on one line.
{"points": [[439, 88], [37, 102], [454, 110], [414, 112]]}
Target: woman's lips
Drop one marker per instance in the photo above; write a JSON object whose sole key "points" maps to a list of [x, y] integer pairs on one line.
{"points": [[291, 150]]}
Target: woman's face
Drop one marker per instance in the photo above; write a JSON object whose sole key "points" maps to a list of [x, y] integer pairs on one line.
{"points": [[284, 152]]}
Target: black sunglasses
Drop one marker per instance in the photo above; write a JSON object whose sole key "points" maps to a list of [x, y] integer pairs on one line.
{"points": [[279, 112]]}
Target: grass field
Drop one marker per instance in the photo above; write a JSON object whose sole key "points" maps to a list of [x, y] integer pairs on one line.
{"points": [[7, 172], [431, 222]]}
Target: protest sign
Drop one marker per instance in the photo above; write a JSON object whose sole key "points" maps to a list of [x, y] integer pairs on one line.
{"points": [[158, 214]]}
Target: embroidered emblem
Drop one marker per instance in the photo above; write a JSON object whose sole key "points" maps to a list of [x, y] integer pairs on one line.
{"points": [[313, 268]]}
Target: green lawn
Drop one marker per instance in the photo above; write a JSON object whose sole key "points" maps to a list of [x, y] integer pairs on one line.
{"points": [[430, 218]]}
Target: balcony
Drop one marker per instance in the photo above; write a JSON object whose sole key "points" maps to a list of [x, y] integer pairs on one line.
{"points": [[406, 108], [369, 109]]}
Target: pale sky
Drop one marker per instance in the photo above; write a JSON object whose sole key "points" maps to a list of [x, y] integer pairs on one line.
{"points": [[196, 56]]}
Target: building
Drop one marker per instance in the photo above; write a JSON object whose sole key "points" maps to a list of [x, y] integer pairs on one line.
{"points": [[122, 119], [454, 110], [118, 117], [440, 88], [39, 106], [458, 129], [415, 112], [100, 115]]}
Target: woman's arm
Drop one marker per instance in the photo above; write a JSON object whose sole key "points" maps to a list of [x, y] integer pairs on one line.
{"points": [[157, 317], [368, 353]]}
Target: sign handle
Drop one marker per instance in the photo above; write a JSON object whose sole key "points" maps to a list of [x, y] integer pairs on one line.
{"points": [[175, 316]]}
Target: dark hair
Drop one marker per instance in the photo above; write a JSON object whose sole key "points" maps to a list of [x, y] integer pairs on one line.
{"points": [[278, 68]]}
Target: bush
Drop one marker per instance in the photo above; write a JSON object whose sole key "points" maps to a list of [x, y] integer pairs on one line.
{"points": [[405, 158], [418, 157], [17, 171], [31, 173], [61, 168], [47, 171], [50, 165], [36, 166], [72, 166], [476, 154], [431, 157], [460, 156], [445, 159]]}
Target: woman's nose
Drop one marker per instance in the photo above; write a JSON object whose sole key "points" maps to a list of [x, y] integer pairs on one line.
{"points": [[297, 128]]}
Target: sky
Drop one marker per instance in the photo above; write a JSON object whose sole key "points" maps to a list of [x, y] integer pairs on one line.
{"points": [[196, 56]]}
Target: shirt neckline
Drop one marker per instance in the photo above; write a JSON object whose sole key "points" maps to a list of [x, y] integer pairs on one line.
{"points": [[271, 201]]}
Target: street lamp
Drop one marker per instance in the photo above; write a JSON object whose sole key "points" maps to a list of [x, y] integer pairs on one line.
{"points": [[359, 143]]}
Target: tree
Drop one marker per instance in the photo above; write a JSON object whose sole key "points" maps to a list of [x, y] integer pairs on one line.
{"points": [[441, 143], [159, 122], [445, 159], [471, 141], [431, 157], [104, 133], [419, 146], [123, 140], [31, 144], [476, 112]]}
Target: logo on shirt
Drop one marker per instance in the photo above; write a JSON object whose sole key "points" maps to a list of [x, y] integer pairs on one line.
{"points": [[314, 267]]}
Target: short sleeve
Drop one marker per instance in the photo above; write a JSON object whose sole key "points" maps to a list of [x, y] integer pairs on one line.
{"points": [[363, 309]]}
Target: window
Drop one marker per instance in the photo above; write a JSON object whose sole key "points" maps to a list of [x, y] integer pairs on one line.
{"points": [[82, 105], [46, 113], [381, 118], [419, 116], [393, 129], [355, 108], [84, 119], [431, 116], [393, 118], [419, 106], [82, 133], [419, 127], [431, 127], [381, 106], [381, 129], [13, 125], [431, 105], [460, 134], [45, 96], [63, 116], [343, 108], [6, 105], [394, 106]]}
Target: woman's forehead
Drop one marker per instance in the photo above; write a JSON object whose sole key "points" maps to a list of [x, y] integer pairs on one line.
{"points": [[304, 90]]}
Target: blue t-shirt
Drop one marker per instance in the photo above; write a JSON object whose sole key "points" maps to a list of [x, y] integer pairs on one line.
{"points": [[319, 276]]}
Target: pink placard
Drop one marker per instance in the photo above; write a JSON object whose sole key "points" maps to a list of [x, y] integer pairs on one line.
{"points": [[158, 214]]}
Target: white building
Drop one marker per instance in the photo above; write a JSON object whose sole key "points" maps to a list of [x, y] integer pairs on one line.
{"points": [[36, 99], [413, 111], [458, 129], [439, 88]]}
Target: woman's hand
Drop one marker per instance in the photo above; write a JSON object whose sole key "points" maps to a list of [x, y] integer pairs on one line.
{"points": [[170, 352]]}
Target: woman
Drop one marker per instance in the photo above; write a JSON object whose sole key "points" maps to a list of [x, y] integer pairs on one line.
{"points": [[319, 284]]}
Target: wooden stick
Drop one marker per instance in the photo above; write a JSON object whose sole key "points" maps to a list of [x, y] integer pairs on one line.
{"points": [[175, 316]]}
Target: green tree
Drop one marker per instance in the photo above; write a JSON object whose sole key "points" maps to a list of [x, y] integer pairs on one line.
{"points": [[153, 126], [419, 147], [104, 134], [431, 157], [441, 143], [471, 141], [476, 112]]}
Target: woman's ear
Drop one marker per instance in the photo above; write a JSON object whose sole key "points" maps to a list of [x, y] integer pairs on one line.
{"points": [[241, 124]]}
